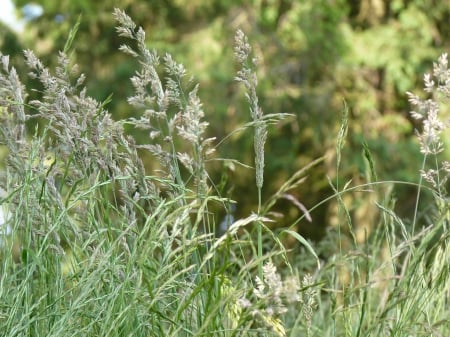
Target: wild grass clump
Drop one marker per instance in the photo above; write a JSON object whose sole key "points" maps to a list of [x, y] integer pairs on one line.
{"points": [[93, 245]]}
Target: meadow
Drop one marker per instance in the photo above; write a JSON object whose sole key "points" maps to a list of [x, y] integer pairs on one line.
{"points": [[94, 245]]}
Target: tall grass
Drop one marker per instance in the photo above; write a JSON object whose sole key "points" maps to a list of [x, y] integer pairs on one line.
{"points": [[93, 245]]}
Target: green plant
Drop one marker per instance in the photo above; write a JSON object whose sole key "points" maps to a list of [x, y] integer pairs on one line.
{"points": [[93, 245]]}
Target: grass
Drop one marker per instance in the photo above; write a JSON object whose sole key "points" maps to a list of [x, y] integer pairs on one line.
{"points": [[92, 245]]}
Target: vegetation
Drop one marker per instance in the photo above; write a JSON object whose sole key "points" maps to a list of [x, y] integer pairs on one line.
{"points": [[95, 243], [313, 54]]}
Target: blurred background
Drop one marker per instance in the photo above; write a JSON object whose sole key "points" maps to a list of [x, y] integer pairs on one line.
{"points": [[316, 56]]}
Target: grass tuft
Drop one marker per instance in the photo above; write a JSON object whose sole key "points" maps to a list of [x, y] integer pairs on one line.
{"points": [[91, 244]]}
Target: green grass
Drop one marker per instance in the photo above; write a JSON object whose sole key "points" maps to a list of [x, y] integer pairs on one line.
{"points": [[98, 247]]}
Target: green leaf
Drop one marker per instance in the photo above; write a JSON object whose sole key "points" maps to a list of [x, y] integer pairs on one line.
{"points": [[304, 242], [72, 34]]}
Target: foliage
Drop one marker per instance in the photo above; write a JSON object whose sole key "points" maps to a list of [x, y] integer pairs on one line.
{"points": [[91, 245], [312, 54]]}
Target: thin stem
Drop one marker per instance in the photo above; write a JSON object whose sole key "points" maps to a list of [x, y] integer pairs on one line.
{"points": [[416, 207], [260, 243]]}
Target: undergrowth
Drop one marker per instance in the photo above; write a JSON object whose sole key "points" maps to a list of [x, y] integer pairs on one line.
{"points": [[93, 245]]}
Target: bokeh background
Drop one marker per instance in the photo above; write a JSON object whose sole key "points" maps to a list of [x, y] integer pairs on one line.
{"points": [[315, 57]]}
